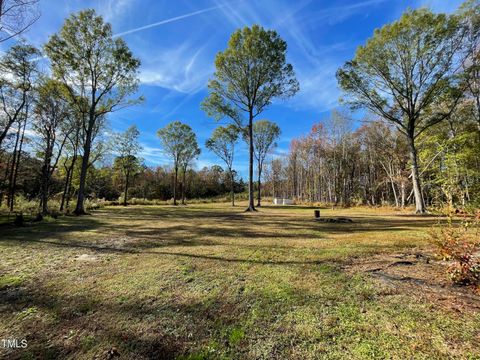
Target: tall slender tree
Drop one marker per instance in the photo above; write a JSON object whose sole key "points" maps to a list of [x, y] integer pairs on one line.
{"points": [[50, 123], [69, 159], [127, 146], [17, 154], [18, 74], [222, 143], [189, 154], [100, 72], [265, 134], [249, 74], [403, 73], [175, 139]]}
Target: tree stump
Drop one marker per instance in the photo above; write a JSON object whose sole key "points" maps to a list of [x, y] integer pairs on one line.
{"points": [[19, 220]]}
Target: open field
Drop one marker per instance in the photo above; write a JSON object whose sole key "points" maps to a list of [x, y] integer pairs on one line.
{"points": [[208, 281]]}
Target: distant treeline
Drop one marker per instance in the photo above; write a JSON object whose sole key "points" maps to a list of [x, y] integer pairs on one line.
{"points": [[339, 164], [107, 182]]}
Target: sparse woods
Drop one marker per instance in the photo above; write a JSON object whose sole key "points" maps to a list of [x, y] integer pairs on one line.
{"points": [[265, 133], [51, 122], [127, 147]]}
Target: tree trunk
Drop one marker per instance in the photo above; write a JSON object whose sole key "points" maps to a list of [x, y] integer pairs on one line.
{"points": [[69, 192], [65, 189], [183, 186], [397, 203], [175, 186], [259, 184], [17, 165], [232, 187], [417, 186], [68, 183], [251, 205], [127, 177], [12, 170], [80, 208], [46, 179]]}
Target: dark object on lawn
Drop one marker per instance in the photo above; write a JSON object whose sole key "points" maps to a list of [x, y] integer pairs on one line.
{"points": [[317, 214], [38, 218], [19, 220], [335, 220], [112, 353]]}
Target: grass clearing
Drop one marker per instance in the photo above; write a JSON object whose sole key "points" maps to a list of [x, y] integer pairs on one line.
{"points": [[207, 281]]}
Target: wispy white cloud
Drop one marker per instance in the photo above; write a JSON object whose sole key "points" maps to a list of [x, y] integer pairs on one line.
{"points": [[154, 155], [239, 14], [113, 10], [318, 88], [172, 19], [314, 64], [337, 14], [181, 69], [446, 6]]}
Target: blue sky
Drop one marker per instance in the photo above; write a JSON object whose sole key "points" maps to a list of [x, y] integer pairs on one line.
{"points": [[177, 42]]}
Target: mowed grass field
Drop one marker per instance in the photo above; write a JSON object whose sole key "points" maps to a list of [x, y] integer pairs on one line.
{"points": [[212, 282]]}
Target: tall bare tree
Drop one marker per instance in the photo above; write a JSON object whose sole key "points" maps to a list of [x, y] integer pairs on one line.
{"points": [[265, 134], [16, 16], [190, 153], [18, 73], [177, 139]]}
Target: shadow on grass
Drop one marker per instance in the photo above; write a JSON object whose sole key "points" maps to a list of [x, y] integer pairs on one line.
{"points": [[156, 326], [196, 227]]}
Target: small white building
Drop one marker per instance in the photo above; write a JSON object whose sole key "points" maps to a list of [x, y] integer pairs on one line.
{"points": [[282, 201]]}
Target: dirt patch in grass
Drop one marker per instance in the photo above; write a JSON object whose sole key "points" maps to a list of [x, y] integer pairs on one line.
{"points": [[417, 274]]}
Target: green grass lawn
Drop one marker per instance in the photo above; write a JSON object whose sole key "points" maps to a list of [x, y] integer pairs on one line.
{"points": [[211, 282]]}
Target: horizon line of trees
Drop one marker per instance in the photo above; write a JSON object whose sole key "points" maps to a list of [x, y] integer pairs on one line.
{"points": [[417, 77]]}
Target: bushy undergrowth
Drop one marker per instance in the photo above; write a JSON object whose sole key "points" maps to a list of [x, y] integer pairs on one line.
{"points": [[460, 245], [32, 207], [216, 199]]}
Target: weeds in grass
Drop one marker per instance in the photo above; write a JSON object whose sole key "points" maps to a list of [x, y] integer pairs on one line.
{"points": [[7, 281], [236, 335], [460, 246], [27, 312]]}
